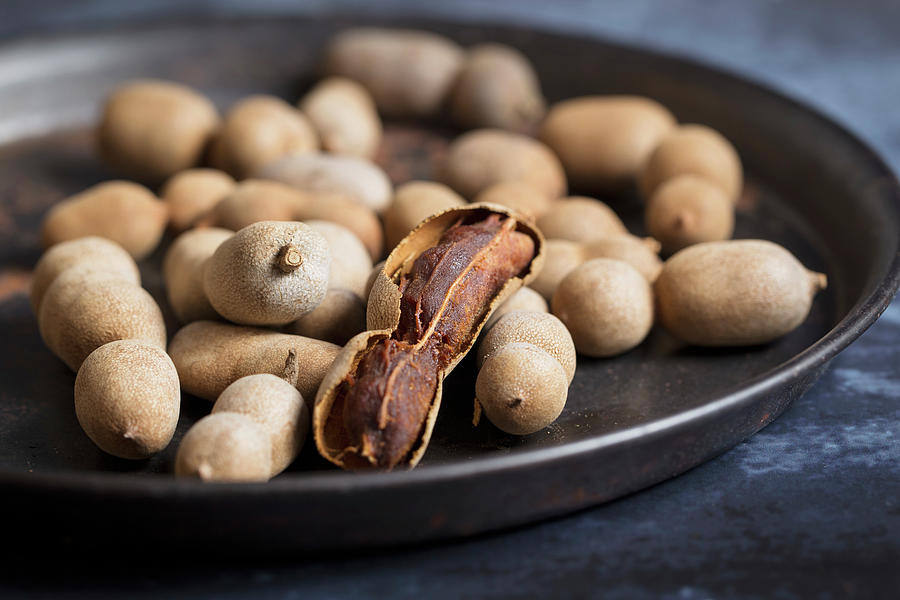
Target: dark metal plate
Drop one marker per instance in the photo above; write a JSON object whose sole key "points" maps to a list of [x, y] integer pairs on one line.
{"points": [[630, 422]]}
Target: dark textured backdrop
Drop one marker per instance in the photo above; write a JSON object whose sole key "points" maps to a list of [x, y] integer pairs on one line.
{"points": [[809, 507]]}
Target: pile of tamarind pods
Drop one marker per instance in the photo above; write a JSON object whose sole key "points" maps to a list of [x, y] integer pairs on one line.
{"points": [[288, 323]]}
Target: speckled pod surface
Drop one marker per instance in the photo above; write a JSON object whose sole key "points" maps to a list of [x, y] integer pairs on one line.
{"points": [[268, 273], [210, 356], [734, 293]]}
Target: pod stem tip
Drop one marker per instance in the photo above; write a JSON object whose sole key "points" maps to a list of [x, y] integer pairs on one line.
{"points": [[290, 258]]}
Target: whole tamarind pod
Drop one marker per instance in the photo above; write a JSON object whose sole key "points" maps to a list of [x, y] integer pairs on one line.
{"points": [[343, 113], [734, 293], [604, 141], [376, 406], [497, 87], [408, 72], [122, 211], [211, 355]]}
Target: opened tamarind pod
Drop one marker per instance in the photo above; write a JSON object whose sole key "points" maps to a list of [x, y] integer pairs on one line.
{"points": [[377, 404]]}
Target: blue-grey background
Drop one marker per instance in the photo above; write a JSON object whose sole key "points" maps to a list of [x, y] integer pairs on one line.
{"points": [[809, 507]]}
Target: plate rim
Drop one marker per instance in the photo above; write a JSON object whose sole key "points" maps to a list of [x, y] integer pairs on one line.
{"points": [[859, 317]]}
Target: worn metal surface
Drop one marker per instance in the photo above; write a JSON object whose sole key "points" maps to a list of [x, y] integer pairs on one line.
{"points": [[630, 422]]}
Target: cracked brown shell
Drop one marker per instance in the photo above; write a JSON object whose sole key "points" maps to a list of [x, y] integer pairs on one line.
{"points": [[382, 318]]}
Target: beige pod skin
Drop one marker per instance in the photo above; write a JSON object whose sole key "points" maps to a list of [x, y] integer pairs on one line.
{"points": [[580, 219], [734, 293], [603, 141], [350, 262], [342, 313], [225, 447], [541, 329], [276, 406], [100, 254], [561, 258], [697, 150], [255, 200], [340, 316], [521, 388], [211, 355], [687, 210], [409, 73], [192, 193], [183, 272], [343, 210], [519, 196], [127, 398], [525, 299], [258, 130], [640, 253], [268, 273], [151, 129], [497, 87], [344, 116], [413, 202], [124, 212], [479, 159], [356, 178], [382, 319], [84, 309], [607, 306]]}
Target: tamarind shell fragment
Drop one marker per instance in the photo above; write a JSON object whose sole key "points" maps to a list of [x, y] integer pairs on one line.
{"points": [[377, 404]]}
